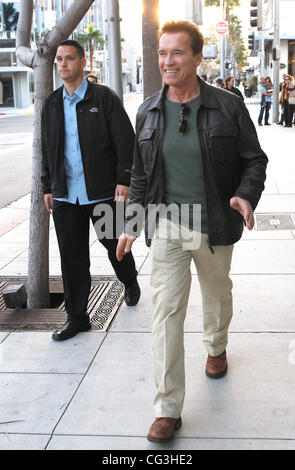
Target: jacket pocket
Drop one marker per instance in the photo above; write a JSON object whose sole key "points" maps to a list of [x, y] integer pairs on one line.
{"points": [[224, 155], [145, 134], [223, 131], [146, 146]]}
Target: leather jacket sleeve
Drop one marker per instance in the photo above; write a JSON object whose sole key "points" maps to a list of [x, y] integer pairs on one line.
{"points": [[138, 184], [121, 136], [253, 159]]}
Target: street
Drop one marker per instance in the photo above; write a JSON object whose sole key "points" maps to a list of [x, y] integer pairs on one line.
{"points": [[15, 157]]}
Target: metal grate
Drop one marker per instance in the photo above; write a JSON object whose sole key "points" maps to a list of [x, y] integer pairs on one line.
{"points": [[274, 221], [104, 301]]}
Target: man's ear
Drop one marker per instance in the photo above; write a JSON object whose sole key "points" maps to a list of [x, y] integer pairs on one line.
{"points": [[84, 62]]}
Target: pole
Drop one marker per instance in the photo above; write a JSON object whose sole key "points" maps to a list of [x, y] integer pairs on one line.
{"points": [[261, 47], [276, 60], [199, 12], [114, 47], [221, 46]]}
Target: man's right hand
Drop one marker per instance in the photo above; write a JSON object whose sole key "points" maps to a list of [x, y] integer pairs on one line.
{"points": [[48, 200], [124, 245]]}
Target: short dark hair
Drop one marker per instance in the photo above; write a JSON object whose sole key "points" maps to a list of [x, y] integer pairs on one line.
{"points": [[197, 40], [76, 44]]}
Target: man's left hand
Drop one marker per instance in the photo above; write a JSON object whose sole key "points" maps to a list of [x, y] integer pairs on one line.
{"points": [[121, 193], [244, 207]]}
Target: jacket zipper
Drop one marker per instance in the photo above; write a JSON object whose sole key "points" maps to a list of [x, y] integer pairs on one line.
{"points": [[205, 184]]}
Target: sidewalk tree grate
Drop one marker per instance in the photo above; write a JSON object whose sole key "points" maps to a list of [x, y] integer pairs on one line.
{"points": [[274, 221], [105, 298]]}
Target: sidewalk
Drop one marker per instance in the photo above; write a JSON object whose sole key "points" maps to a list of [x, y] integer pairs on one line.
{"points": [[14, 111], [96, 390]]}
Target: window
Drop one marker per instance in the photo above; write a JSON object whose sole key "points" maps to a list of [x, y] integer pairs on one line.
{"points": [[291, 57]]}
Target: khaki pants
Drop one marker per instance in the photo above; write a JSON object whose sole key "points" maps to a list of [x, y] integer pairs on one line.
{"points": [[171, 280]]}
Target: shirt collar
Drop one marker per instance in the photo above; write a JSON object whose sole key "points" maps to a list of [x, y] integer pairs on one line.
{"points": [[80, 91]]}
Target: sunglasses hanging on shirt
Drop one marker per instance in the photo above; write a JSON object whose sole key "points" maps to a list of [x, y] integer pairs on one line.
{"points": [[183, 125]]}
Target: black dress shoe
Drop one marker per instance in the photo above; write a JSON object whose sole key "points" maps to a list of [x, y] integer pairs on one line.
{"points": [[267, 124], [132, 293], [259, 124], [70, 329]]}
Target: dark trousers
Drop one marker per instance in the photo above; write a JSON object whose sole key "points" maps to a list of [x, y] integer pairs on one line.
{"points": [[72, 229], [264, 109], [289, 111]]}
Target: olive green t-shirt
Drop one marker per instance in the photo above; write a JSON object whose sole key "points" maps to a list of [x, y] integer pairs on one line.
{"points": [[182, 161]]}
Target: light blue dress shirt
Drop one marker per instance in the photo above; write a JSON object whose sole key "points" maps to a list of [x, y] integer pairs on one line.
{"points": [[72, 153]]}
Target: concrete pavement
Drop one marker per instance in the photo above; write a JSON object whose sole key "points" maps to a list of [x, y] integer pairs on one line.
{"points": [[96, 390]]}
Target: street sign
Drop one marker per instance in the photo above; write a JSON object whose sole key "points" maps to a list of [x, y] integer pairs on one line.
{"points": [[222, 27]]}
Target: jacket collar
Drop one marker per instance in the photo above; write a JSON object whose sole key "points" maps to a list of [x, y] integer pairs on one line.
{"points": [[207, 94], [58, 94]]}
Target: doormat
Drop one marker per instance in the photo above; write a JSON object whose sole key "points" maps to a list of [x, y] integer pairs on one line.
{"points": [[106, 296]]}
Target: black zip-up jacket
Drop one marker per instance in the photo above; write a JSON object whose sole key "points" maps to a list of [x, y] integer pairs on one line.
{"points": [[233, 162], [106, 139]]}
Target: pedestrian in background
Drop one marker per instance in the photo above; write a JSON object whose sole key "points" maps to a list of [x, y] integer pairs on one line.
{"points": [[287, 99], [265, 103], [91, 77], [87, 149], [281, 121], [229, 86], [219, 82]]}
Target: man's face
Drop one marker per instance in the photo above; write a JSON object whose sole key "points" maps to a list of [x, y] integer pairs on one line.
{"points": [[177, 61], [70, 65], [262, 80]]}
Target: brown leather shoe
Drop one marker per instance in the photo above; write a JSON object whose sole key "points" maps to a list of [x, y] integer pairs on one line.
{"points": [[162, 429], [216, 366]]}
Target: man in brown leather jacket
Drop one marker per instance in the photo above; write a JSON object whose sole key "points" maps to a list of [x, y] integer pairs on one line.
{"points": [[196, 148]]}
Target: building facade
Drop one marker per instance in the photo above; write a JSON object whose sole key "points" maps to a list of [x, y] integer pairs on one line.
{"points": [[17, 81], [14, 77], [287, 36]]}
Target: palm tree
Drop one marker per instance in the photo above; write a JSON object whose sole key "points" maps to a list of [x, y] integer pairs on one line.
{"points": [[10, 17], [236, 39], [91, 38], [152, 80], [228, 5]]}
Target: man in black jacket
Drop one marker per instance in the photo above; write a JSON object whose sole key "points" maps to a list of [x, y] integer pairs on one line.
{"points": [[87, 148], [230, 86], [196, 148]]}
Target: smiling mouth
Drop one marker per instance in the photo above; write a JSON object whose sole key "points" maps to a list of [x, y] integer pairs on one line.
{"points": [[171, 71]]}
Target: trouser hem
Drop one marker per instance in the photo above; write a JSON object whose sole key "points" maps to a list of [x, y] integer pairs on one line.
{"points": [[215, 351], [167, 413]]}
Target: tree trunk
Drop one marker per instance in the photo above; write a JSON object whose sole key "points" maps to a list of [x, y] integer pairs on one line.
{"points": [[42, 63], [152, 80], [38, 269]]}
